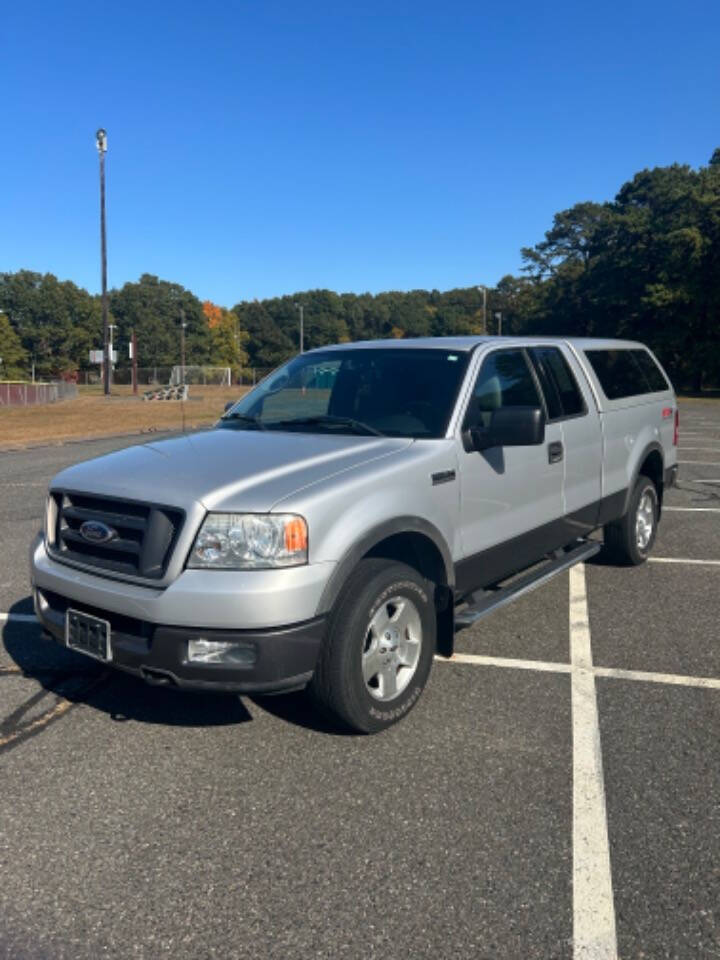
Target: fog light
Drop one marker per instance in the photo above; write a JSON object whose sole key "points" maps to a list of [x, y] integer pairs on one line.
{"points": [[221, 651]]}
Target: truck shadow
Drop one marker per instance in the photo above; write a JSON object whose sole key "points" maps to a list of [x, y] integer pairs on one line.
{"points": [[68, 676], [73, 677], [299, 710]]}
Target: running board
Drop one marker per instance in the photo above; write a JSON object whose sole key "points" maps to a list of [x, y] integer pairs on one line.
{"points": [[490, 600]]}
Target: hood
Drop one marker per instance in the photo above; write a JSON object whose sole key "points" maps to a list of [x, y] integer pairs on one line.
{"points": [[234, 470]]}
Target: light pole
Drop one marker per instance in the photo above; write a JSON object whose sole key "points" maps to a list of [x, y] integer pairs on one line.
{"points": [[101, 143], [484, 293], [300, 307], [498, 317], [182, 343]]}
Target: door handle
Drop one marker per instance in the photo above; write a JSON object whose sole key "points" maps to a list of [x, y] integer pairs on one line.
{"points": [[555, 452]]}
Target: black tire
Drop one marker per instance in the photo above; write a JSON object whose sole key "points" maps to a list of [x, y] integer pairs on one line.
{"points": [[339, 684], [621, 536]]}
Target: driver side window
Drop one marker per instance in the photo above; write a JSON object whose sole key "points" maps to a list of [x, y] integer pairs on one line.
{"points": [[504, 380]]}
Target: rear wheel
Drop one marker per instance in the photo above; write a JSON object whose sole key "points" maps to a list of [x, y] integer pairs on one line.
{"points": [[379, 647], [630, 539]]}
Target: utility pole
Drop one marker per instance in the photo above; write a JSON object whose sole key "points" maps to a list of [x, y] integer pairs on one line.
{"points": [[101, 143], [182, 343], [484, 293], [301, 308], [133, 349]]}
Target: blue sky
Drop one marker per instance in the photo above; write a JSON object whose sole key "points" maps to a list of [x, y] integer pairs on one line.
{"points": [[257, 149]]}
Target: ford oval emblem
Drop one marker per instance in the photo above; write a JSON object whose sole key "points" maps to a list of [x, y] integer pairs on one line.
{"points": [[94, 531]]}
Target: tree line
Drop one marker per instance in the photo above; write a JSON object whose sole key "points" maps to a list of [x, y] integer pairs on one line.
{"points": [[643, 266]]}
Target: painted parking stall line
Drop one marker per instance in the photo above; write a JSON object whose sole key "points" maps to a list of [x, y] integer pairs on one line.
{"points": [[691, 509], [507, 663], [672, 679], [695, 563], [18, 618], [594, 933]]}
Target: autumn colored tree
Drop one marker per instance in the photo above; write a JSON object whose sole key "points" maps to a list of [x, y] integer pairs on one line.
{"points": [[228, 339]]}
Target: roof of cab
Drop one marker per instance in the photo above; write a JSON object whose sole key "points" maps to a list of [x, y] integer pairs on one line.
{"points": [[469, 343]]}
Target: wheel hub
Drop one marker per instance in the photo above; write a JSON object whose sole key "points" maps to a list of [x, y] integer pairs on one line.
{"points": [[392, 648], [644, 521]]}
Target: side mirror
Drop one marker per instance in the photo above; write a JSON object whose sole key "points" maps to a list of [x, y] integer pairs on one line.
{"points": [[511, 427], [229, 405]]}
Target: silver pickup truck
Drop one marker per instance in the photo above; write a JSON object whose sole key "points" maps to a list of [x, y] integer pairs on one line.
{"points": [[343, 519]]}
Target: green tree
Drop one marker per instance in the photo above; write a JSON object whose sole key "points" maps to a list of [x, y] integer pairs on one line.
{"points": [[155, 308], [57, 322], [13, 357]]}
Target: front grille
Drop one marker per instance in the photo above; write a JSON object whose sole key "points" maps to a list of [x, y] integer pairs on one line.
{"points": [[143, 534]]}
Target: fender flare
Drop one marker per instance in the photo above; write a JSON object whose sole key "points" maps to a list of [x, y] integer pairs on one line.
{"points": [[649, 448], [375, 535]]}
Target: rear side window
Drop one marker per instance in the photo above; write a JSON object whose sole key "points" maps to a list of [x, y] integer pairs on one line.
{"points": [[504, 380], [559, 384], [653, 374], [626, 373]]}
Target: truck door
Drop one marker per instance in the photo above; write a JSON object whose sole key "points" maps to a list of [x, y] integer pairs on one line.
{"points": [[511, 508], [571, 406]]}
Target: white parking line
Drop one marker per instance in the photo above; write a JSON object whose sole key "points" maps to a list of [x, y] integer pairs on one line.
{"points": [[484, 661], [671, 678], [706, 563], [702, 463], [614, 673], [594, 936], [691, 509], [708, 449], [18, 617]]}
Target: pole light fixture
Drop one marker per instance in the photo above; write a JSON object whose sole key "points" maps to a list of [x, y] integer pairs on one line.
{"points": [[101, 144]]}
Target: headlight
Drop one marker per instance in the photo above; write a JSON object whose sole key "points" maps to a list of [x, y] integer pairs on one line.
{"points": [[51, 512], [250, 541]]}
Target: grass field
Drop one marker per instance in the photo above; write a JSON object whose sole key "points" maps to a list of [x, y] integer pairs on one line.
{"points": [[92, 414]]}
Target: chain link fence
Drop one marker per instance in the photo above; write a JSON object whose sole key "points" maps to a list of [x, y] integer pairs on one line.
{"points": [[20, 394], [162, 376]]}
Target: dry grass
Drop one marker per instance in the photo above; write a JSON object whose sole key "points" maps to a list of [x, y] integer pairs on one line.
{"points": [[93, 415]]}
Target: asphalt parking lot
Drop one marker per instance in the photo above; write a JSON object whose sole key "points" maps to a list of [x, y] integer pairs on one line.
{"points": [[555, 793]]}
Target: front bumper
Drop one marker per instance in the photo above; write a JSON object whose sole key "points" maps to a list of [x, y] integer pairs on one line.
{"points": [[274, 614], [280, 659]]}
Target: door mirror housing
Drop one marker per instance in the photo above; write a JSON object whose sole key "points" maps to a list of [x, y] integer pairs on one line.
{"points": [[510, 427], [228, 405]]}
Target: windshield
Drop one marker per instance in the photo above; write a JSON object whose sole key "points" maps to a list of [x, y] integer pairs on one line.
{"points": [[396, 392]]}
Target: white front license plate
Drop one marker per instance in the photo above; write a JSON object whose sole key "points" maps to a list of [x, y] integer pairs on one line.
{"points": [[89, 635]]}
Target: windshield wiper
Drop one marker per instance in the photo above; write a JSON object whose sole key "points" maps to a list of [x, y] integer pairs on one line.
{"points": [[244, 418], [357, 425]]}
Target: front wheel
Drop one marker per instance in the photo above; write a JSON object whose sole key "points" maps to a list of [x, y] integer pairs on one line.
{"points": [[630, 539], [378, 651]]}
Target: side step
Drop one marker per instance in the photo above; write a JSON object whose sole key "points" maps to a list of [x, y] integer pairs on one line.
{"points": [[486, 601]]}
